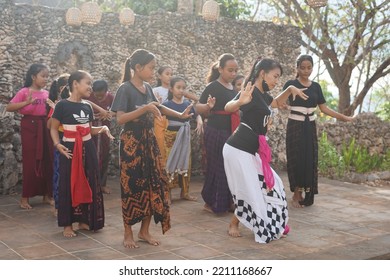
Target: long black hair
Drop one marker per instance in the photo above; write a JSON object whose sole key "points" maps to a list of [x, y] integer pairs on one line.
{"points": [[160, 71], [59, 87], [265, 64], [172, 83], [302, 58], [139, 56], [33, 71], [213, 73], [76, 76]]}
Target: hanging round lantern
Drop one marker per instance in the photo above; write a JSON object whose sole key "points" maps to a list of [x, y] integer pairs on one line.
{"points": [[210, 10], [91, 13], [126, 16], [73, 17], [317, 3]]}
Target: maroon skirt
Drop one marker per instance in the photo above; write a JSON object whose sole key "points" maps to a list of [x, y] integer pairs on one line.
{"points": [[37, 157]]}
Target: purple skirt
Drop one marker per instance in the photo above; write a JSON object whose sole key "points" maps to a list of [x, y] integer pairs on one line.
{"points": [[215, 192]]}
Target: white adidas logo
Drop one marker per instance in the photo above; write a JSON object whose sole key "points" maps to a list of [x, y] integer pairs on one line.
{"points": [[82, 118]]}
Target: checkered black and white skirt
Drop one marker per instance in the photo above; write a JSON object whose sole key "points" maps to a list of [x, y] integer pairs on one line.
{"points": [[264, 212]]}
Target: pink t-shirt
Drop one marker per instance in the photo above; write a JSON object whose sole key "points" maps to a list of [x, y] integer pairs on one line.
{"points": [[38, 107]]}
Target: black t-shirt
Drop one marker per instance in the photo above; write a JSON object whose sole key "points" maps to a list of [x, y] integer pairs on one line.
{"points": [[128, 98], [257, 112], [316, 97], [222, 96], [68, 112]]}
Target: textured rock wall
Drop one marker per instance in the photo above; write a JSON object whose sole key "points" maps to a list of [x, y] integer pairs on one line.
{"points": [[187, 43]]}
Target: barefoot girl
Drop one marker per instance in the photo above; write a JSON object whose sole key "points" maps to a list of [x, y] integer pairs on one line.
{"points": [[80, 197], [144, 188], [30, 101]]}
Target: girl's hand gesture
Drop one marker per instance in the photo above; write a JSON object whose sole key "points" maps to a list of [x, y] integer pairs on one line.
{"points": [[106, 131], [211, 102], [152, 107], [186, 113], [199, 125], [30, 98], [298, 92], [64, 150], [348, 118], [246, 93], [50, 103]]}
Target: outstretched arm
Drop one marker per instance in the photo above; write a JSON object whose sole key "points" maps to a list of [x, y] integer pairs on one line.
{"points": [[327, 111], [245, 98], [280, 100]]}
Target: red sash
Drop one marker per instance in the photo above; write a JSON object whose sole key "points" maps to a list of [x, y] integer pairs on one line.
{"points": [[234, 118], [79, 185]]}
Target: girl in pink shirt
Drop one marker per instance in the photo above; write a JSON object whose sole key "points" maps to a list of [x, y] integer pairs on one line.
{"points": [[30, 101]]}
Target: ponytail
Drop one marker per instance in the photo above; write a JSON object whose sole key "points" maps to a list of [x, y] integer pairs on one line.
{"points": [[139, 56], [265, 64], [214, 70]]}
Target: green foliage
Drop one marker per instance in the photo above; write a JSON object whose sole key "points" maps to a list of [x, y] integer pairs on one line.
{"points": [[352, 158], [384, 111], [234, 9], [330, 162], [331, 101], [358, 159]]}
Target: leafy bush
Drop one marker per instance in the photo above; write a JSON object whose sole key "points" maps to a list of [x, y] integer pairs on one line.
{"points": [[330, 162], [352, 158]]}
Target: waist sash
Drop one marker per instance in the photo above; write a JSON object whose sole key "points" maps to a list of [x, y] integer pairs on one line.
{"points": [[79, 185], [234, 118]]}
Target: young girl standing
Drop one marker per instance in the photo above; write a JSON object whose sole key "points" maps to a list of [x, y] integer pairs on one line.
{"points": [[178, 139], [164, 74], [212, 102], [103, 99], [258, 192], [80, 196], [30, 101], [58, 90], [144, 189], [301, 135]]}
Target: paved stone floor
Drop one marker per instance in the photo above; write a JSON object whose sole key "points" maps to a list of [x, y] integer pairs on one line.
{"points": [[347, 222]]}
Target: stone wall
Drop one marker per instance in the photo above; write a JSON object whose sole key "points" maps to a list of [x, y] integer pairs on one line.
{"points": [[187, 43]]}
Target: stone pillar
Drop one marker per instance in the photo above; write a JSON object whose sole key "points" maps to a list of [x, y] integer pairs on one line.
{"points": [[9, 170]]}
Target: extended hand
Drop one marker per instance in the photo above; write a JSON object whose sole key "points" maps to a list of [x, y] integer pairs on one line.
{"points": [[152, 107], [106, 131], [186, 113], [246, 93], [211, 102], [299, 92]]}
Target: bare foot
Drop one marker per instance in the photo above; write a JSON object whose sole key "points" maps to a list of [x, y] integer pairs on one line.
{"points": [[234, 231], [188, 197], [24, 203], [128, 240], [83, 226], [48, 200], [106, 190], [146, 237], [207, 208], [296, 199], [69, 232], [295, 203]]}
